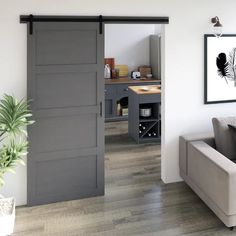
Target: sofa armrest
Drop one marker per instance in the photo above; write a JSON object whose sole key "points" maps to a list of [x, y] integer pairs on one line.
{"points": [[184, 140], [214, 174]]}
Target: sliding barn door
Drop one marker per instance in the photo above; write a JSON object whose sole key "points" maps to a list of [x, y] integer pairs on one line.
{"points": [[65, 84]]}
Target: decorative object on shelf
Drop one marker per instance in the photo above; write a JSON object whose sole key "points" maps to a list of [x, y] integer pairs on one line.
{"points": [[220, 69], [110, 61], [145, 70], [145, 111], [123, 70], [125, 111], [135, 75], [115, 74], [13, 120], [149, 76], [119, 110], [217, 26], [107, 71]]}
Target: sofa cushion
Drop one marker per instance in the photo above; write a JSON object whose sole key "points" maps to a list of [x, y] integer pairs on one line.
{"points": [[223, 136], [232, 129]]}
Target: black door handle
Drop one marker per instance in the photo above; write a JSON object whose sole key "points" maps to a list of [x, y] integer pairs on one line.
{"points": [[101, 113]]}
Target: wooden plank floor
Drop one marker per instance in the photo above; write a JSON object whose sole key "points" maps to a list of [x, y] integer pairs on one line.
{"points": [[136, 201]]}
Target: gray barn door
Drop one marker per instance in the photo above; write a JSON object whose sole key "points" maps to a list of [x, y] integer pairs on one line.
{"points": [[65, 83]]}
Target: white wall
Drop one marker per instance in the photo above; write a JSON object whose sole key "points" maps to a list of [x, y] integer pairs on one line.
{"points": [[129, 43], [182, 97]]}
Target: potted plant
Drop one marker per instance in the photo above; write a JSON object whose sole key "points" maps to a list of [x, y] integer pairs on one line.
{"points": [[14, 117]]}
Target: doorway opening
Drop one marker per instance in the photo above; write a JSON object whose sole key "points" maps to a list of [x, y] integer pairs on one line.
{"points": [[132, 139]]}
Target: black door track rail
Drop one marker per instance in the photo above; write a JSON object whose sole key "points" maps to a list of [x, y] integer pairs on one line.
{"points": [[100, 19]]}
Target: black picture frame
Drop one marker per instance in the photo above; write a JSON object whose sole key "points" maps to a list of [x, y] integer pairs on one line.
{"points": [[206, 99]]}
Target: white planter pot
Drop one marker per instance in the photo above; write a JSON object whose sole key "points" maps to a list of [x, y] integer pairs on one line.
{"points": [[7, 215]]}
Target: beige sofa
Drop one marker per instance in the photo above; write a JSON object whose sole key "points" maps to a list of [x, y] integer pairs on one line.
{"points": [[210, 174]]}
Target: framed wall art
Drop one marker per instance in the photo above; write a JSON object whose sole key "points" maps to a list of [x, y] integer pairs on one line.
{"points": [[220, 68]]}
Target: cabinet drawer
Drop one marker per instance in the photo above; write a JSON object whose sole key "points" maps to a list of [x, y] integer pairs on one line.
{"points": [[151, 98], [122, 90], [109, 91]]}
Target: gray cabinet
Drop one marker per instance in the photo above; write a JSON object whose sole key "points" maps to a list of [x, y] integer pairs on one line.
{"points": [[114, 92], [145, 129], [109, 100]]}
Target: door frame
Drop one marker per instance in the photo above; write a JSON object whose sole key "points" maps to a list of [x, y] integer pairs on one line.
{"points": [[151, 20]]}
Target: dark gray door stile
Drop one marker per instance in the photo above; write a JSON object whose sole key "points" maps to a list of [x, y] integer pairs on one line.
{"points": [[65, 84]]}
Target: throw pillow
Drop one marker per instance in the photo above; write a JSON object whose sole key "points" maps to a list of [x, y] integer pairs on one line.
{"points": [[232, 128], [223, 136]]}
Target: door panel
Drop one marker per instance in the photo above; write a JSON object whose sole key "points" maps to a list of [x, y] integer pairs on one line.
{"points": [[67, 132], [52, 88], [63, 171], [53, 48], [66, 84]]}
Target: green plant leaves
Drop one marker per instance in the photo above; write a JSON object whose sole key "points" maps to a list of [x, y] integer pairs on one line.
{"points": [[14, 117]]}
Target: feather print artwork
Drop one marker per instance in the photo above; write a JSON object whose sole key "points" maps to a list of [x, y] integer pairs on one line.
{"points": [[222, 64], [227, 66], [232, 66], [219, 68]]}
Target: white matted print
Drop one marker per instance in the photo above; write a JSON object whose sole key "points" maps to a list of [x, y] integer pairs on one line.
{"points": [[220, 69]]}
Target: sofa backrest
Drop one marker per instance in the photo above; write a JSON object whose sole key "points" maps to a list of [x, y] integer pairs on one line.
{"points": [[223, 136]]}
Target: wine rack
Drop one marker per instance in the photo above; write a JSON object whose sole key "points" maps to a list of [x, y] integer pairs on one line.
{"points": [[149, 129]]}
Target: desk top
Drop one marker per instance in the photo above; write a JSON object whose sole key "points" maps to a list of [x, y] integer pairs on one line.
{"points": [[127, 80], [152, 89]]}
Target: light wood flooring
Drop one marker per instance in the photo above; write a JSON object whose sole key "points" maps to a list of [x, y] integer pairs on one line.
{"points": [[136, 200]]}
